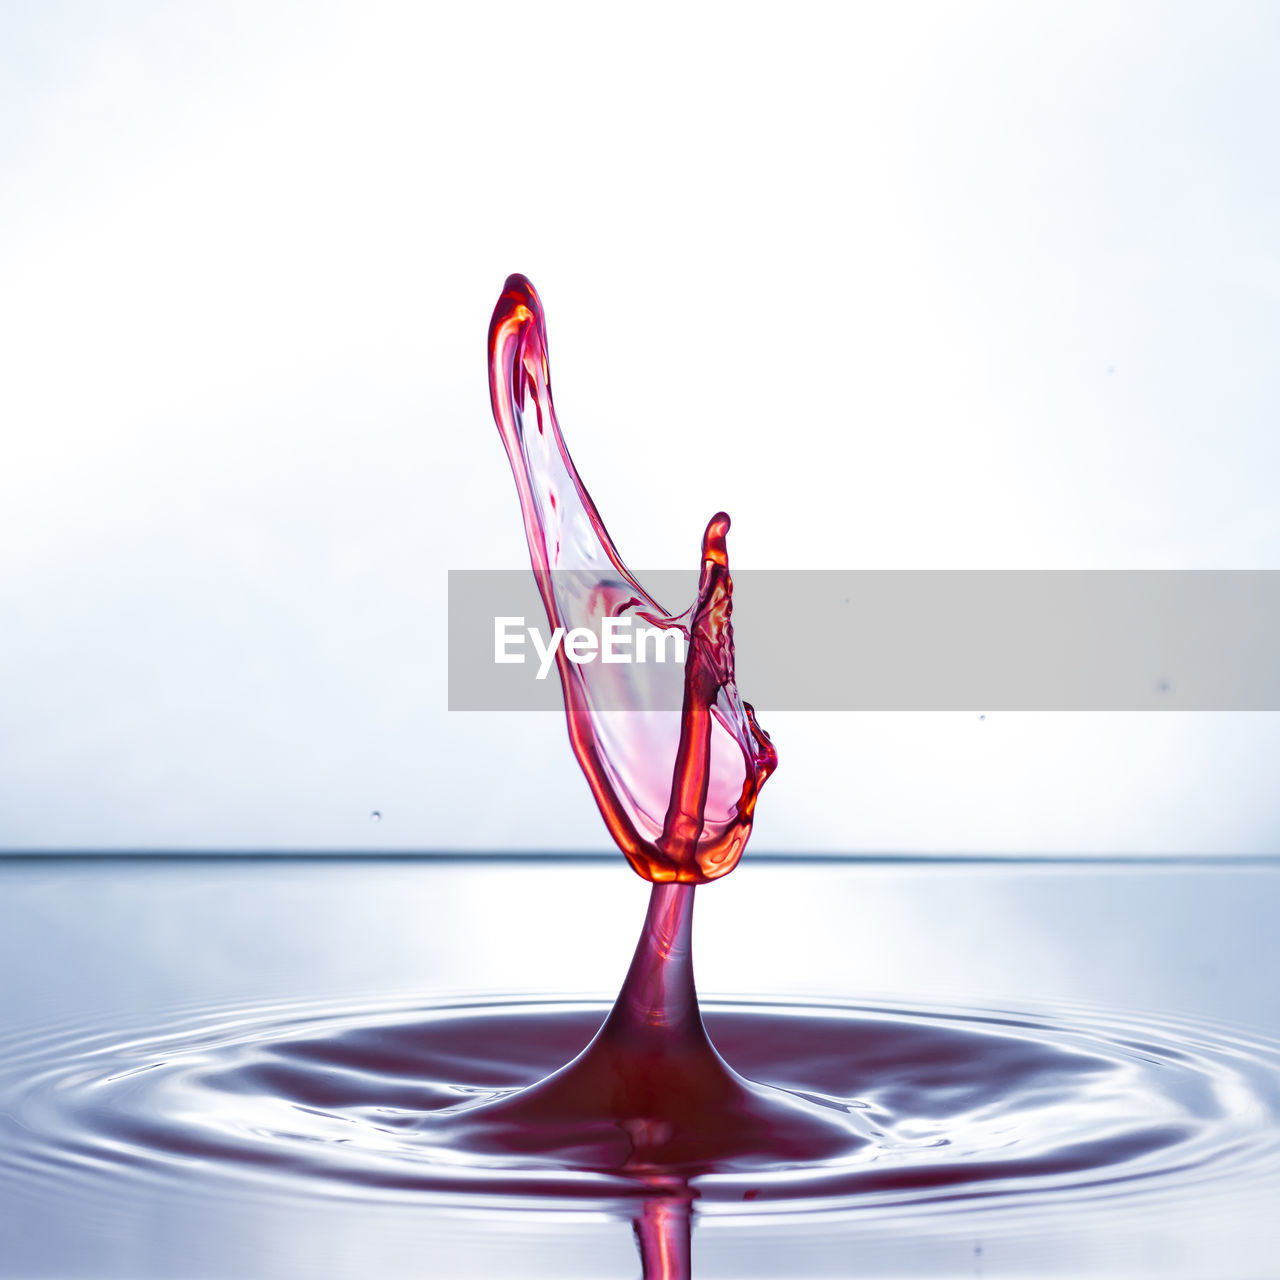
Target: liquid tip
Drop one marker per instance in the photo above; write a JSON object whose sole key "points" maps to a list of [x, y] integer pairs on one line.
{"points": [[713, 540]]}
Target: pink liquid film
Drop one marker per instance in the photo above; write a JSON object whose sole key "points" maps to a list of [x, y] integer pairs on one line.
{"points": [[677, 790]]}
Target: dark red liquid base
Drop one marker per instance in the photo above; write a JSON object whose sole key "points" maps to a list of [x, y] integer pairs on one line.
{"points": [[650, 1094], [650, 1098]]}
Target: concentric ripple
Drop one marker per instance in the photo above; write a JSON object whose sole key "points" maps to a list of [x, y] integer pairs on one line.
{"points": [[940, 1105]]}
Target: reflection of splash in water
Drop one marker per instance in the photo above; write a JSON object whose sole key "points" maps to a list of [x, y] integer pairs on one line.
{"points": [[664, 1236]]}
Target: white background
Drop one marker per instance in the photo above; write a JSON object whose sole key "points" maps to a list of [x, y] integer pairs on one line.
{"points": [[900, 285]]}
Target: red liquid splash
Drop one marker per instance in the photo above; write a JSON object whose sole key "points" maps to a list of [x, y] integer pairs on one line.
{"points": [[649, 1098], [676, 790]]}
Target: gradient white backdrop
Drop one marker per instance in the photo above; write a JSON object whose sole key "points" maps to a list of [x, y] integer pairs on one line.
{"points": [[977, 285]]}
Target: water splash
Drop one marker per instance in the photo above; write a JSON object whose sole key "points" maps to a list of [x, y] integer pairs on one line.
{"points": [[677, 790], [649, 1096]]}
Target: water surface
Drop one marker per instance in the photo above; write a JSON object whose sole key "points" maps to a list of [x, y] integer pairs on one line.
{"points": [[223, 1067]]}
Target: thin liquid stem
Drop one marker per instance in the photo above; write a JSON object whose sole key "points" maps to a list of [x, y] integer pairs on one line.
{"points": [[659, 1001]]}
